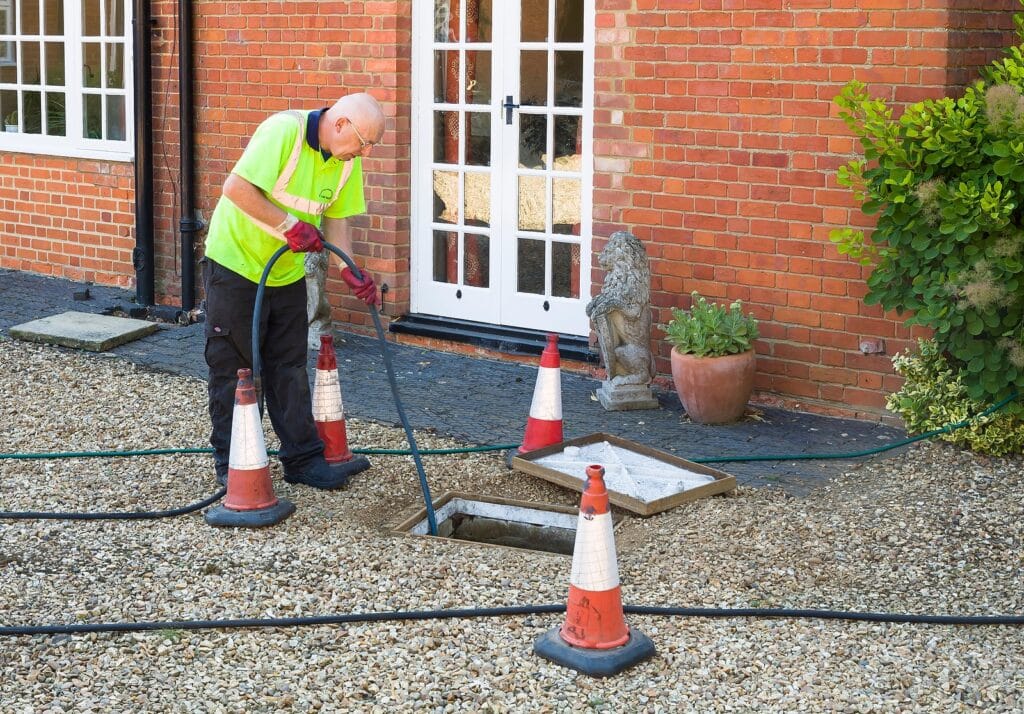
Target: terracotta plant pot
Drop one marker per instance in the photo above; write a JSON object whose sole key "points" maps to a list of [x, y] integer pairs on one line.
{"points": [[714, 390]]}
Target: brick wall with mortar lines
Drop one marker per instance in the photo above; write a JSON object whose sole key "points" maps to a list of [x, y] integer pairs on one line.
{"points": [[70, 218], [717, 142]]}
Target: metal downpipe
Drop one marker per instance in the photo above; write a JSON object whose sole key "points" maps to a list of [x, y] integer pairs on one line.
{"points": [[188, 225], [142, 254]]}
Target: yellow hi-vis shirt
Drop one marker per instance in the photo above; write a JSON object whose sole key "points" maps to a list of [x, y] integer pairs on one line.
{"points": [[295, 177]]}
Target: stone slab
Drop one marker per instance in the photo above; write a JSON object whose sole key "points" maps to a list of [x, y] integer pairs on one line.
{"points": [[83, 330], [618, 397]]}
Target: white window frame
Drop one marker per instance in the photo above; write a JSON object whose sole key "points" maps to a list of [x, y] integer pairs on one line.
{"points": [[74, 144]]}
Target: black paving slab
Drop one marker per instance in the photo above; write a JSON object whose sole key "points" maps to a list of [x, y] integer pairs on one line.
{"points": [[485, 401]]}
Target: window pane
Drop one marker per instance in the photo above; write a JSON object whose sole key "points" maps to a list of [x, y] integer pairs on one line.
{"points": [[533, 82], [566, 218], [446, 20], [54, 17], [55, 114], [569, 79], [478, 24], [91, 64], [32, 121], [115, 118], [569, 21], [565, 270], [530, 267], [92, 116], [533, 140], [91, 18], [535, 20], [30, 17], [30, 69], [478, 199], [567, 137], [446, 248], [446, 197], [114, 17], [476, 261], [478, 139], [115, 66], [478, 77], [55, 64], [533, 203], [9, 109], [446, 137], [446, 76]]}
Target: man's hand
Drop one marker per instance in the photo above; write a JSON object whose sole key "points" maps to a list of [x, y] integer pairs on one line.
{"points": [[364, 289], [303, 237]]}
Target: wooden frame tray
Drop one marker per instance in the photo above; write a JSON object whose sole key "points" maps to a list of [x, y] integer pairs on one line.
{"points": [[722, 482]]}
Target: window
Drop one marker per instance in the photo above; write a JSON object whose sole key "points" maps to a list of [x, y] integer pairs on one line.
{"points": [[65, 77]]}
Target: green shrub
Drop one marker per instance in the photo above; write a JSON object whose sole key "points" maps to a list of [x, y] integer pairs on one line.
{"points": [[710, 330], [934, 395], [946, 181]]}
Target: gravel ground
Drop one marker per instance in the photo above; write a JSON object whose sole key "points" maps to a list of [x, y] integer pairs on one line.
{"points": [[934, 530]]}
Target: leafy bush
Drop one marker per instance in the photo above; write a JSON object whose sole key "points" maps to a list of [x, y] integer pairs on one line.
{"points": [[945, 181], [934, 395], [710, 330]]}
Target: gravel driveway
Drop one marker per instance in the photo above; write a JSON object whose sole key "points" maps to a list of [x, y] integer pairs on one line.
{"points": [[934, 530]]}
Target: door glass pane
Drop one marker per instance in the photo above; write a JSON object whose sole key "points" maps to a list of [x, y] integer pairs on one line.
{"points": [[446, 137], [533, 78], [55, 64], [115, 117], [478, 77], [446, 76], [567, 137], [476, 261], [478, 139], [478, 199], [91, 18], [114, 17], [29, 17], [446, 197], [530, 266], [54, 17], [534, 21], [55, 114], [30, 67], [532, 203], [478, 21], [91, 64], [566, 219], [565, 270], [446, 20], [533, 140], [446, 247], [568, 20], [92, 116], [32, 121], [568, 78], [115, 66]]}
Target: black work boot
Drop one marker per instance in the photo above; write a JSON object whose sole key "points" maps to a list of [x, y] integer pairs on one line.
{"points": [[316, 474], [222, 476]]}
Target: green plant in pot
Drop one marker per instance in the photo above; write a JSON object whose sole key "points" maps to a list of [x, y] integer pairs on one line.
{"points": [[713, 359]]}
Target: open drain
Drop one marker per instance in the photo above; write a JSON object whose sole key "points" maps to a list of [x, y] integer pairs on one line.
{"points": [[496, 521]]}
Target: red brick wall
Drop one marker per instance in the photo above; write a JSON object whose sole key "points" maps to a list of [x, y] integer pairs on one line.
{"points": [[717, 143], [70, 218]]}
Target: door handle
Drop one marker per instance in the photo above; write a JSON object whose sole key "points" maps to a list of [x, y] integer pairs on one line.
{"points": [[509, 106]]}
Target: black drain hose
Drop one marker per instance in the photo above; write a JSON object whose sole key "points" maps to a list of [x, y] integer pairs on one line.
{"points": [[315, 620], [258, 312], [113, 516]]}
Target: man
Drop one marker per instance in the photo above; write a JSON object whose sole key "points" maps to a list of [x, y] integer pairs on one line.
{"points": [[300, 174]]}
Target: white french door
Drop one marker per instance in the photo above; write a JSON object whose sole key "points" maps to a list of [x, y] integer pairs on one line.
{"points": [[502, 166]]}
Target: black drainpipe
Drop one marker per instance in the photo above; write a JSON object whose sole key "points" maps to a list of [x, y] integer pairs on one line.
{"points": [[188, 225], [142, 255]]}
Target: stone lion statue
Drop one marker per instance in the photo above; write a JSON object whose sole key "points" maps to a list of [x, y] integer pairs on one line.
{"points": [[318, 309], [622, 312]]}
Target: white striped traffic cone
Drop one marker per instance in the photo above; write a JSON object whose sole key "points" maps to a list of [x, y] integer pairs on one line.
{"points": [[329, 414], [594, 639], [544, 425], [250, 501]]}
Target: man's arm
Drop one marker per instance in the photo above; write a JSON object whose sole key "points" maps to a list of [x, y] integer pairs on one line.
{"points": [[252, 201], [336, 233]]}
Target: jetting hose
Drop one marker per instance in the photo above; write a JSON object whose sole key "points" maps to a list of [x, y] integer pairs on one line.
{"points": [[257, 313]]}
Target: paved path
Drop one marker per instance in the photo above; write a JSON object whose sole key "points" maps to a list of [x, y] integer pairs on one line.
{"points": [[484, 401]]}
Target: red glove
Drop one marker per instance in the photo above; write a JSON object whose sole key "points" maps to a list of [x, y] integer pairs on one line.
{"points": [[364, 289], [303, 237]]}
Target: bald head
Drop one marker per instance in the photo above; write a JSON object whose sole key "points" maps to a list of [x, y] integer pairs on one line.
{"points": [[362, 110]]}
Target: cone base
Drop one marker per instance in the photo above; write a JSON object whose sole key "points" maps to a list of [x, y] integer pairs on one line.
{"points": [[343, 470], [596, 663], [223, 517]]}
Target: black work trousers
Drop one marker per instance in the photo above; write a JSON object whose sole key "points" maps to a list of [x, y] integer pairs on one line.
{"points": [[230, 301]]}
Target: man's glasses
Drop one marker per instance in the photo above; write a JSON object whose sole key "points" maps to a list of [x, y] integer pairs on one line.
{"points": [[362, 143]]}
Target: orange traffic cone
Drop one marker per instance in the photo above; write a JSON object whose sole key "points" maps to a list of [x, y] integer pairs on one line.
{"points": [[594, 639], [250, 501], [329, 414], [544, 425]]}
